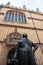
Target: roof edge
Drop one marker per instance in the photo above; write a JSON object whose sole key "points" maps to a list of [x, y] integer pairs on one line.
{"points": [[27, 10]]}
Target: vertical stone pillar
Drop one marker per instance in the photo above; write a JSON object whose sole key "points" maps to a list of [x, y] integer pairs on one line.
{"points": [[39, 56], [0, 54], [3, 54]]}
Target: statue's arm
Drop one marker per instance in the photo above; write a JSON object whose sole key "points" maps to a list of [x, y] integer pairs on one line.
{"points": [[35, 47], [16, 50]]}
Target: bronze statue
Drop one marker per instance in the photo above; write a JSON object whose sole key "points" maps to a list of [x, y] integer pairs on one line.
{"points": [[24, 51]]}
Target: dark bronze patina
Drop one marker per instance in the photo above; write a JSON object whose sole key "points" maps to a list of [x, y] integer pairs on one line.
{"points": [[24, 54]]}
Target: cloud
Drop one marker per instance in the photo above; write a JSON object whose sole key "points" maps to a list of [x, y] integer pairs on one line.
{"points": [[30, 4], [37, 2]]}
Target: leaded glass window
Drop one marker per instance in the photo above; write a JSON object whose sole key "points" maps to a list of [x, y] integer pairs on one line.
{"points": [[15, 17]]}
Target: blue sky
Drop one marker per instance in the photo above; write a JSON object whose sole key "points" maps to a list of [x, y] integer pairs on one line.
{"points": [[30, 4]]}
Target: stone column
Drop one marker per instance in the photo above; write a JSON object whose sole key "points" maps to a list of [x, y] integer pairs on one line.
{"points": [[39, 56]]}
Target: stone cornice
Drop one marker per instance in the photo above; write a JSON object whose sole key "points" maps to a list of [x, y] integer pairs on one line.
{"points": [[35, 43], [1, 13], [27, 10], [9, 25], [35, 19]]}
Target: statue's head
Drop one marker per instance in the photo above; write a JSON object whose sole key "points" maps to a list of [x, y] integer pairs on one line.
{"points": [[25, 35]]}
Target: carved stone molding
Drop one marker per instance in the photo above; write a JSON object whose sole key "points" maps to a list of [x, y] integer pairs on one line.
{"points": [[13, 38]]}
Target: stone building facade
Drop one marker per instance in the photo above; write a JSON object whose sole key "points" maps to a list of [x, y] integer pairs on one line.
{"points": [[13, 23]]}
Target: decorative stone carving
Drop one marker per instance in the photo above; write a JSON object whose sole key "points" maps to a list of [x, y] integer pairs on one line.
{"points": [[8, 4], [13, 38]]}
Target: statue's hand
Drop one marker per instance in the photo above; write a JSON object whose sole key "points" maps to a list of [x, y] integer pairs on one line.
{"points": [[9, 61], [12, 59], [16, 60]]}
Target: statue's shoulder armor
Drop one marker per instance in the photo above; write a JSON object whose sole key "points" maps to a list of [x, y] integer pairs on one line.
{"points": [[30, 42]]}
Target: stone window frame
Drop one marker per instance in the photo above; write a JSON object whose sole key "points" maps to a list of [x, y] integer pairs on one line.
{"points": [[16, 16]]}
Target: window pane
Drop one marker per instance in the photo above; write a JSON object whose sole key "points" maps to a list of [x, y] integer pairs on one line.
{"points": [[9, 16], [6, 16], [20, 18], [12, 16], [24, 19], [16, 16]]}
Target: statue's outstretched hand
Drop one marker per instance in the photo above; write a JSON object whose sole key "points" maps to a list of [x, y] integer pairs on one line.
{"points": [[9, 61], [16, 60]]}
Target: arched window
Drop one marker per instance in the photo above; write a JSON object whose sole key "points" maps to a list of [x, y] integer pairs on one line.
{"points": [[9, 16], [15, 17]]}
